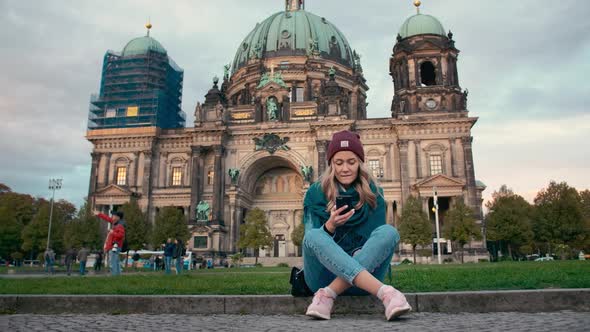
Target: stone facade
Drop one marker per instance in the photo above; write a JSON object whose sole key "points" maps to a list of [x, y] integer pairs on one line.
{"points": [[260, 139]]}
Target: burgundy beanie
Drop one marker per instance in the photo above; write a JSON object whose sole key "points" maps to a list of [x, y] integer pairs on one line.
{"points": [[346, 141]]}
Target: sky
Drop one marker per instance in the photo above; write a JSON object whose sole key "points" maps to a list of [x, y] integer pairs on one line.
{"points": [[525, 63]]}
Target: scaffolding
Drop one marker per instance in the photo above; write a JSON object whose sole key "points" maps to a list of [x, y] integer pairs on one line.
{"points": [[138, 91]]}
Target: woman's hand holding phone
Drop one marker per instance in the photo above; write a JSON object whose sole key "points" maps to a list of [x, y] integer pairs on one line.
{"points": [[336, 219]]}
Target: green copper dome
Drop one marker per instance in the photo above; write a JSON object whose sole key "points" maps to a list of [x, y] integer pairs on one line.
{"points": [[142, 45], [294, 33], [421, 24]]}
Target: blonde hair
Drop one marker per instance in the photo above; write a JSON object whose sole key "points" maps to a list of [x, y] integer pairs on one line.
{"points": [[330, 184]]}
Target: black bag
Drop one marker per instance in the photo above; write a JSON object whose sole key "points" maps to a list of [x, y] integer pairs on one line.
{"points": [[298, 286]]}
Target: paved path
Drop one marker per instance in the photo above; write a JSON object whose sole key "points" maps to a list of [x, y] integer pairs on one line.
{"points": [[556, 321]]}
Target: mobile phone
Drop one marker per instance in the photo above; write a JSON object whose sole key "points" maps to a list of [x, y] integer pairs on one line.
{"points": [[344, 200]]}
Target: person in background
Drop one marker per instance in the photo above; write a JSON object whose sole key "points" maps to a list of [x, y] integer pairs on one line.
{"points": [[69, 259], [49, 257], [168, 253], [82, 258], [178, 254], [114, 241], [98, 262]]}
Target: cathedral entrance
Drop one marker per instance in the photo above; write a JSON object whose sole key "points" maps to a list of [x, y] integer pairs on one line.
{"points": [[444, 204], [276, 186]]}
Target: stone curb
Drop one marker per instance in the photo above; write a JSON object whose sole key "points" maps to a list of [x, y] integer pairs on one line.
{"points": [[448, 302]]}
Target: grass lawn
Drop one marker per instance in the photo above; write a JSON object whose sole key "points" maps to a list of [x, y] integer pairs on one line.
{"points": [[420, 278]]}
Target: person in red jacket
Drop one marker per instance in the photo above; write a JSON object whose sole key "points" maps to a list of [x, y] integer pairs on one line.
{"points": [[114, 241]]}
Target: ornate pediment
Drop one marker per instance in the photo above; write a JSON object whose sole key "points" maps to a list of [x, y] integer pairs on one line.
{"points": [[440, 180], [272, 87], [114, 190], [445, 186]]}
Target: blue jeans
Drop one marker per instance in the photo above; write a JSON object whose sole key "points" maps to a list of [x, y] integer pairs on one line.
{"points": [[82, 268], [178, 265], [168, 263], [49, 267], [114, 259], [324, 259]]}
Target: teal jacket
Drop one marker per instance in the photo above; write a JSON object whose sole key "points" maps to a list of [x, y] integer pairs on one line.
{"points": [[357, 229]]}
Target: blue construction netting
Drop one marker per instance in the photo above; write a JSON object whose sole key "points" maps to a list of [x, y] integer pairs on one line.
{"points": [[138, 91]]}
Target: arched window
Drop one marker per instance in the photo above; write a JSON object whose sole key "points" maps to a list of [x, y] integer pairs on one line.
{"points": [[427, 74], [121, 171], [436, 154]]}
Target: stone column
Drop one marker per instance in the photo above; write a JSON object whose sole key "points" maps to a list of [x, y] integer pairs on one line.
{"points": [[196, 171], [218, 185], [418, 151], [405, 177], [470, 176], [452, 152], [460, 158], [107, 167], [136, 182], [236, 230], [162, 183], [411, 160], [396, 162], [93, 171], [390, 219], [388, 164], [322, 146], [425, 205], [146, 189]]}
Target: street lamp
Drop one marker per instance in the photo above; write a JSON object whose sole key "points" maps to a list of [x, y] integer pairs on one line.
{"points": [[435, 208], [54, 184]]}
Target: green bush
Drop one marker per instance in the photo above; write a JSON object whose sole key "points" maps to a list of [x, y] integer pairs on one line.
{"points": [[282, 265], [406, 261], [258, 265]]}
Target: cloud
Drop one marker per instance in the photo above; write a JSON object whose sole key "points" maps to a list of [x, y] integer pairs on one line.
{"points": [[525, 66]]}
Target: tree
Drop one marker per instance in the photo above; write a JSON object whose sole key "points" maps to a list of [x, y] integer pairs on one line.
{"points": [[23, 206], [584, 242], [502, 192], [170, 223], [509, 220], [558, 216], [254, 233], [84, 230], [4, 188], [415, 228], [138, 228], [297, 234], [10, 232], [460, 226], [34, 234]]}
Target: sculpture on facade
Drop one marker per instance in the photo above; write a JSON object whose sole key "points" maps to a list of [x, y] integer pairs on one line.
{"points": [[307, 172], [198, 112], [278, 79], [226, 69], [203, 211], [464, 99], [264, 79], [271, 143], [271, 109], [313, 47], [233, 174]]}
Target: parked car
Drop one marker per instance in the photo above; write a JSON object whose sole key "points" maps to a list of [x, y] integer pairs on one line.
{"points": [[544, 259]]}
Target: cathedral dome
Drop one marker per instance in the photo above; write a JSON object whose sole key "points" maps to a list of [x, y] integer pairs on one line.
{"points": [[421, 24], [142, 45], [294, 32]]}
